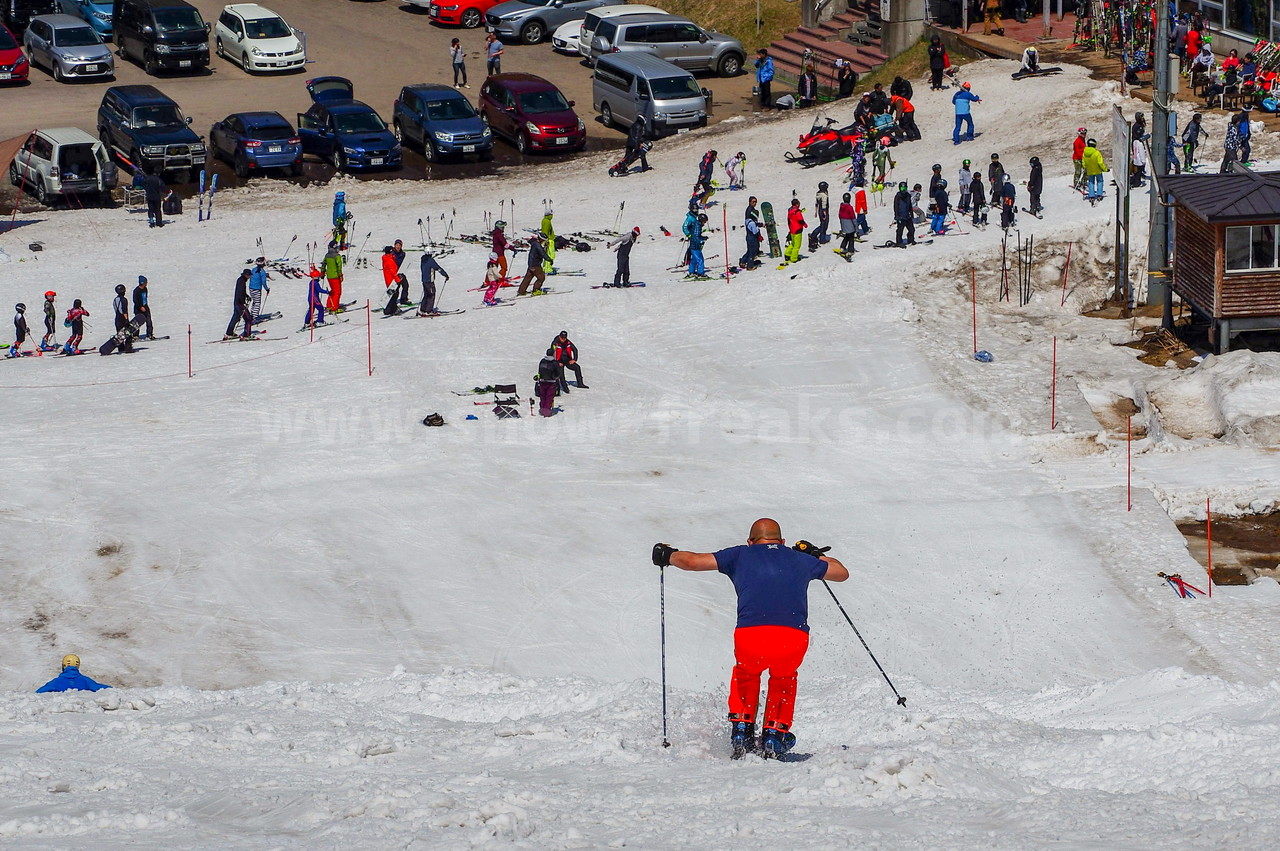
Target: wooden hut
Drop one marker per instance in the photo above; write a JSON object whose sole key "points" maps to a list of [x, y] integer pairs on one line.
{"points": [[1226, 249]]}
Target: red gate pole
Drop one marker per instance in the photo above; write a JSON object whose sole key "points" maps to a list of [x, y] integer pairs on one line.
{"points": [[1208, 534], [1053, 389], [973, 288]]}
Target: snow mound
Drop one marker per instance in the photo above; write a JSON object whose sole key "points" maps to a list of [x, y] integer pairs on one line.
{"points": [[1233, 397]]}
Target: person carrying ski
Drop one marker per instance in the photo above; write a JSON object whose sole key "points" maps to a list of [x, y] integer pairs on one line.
{"points": [[315, 304], [903, 216], [822, 206], [978, 197], [154, 190], [429, 267], [860, 211], [906, 115], [937, 63], [848, 225], [995, 176], [241, 309], [1035, 185], [772, 630], [1191, 140], [20, 329], [795, 231], [258, 287], [764, 78], [1008, 204], [1094, 167], [547, 383], [697, 264], [142, 307], [1077, 159], [882, 162], [566, 354], [751, 224], [963, 181], [47, 343], [963, 101], [622, 245], [70, 679], [535, 274], [499, 245], [332, 266], [735, 168], [75, 321], [941, 207], [340, 219]]}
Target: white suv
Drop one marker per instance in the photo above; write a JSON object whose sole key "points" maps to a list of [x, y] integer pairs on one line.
{"points": [[258, 39], [64, 163]]}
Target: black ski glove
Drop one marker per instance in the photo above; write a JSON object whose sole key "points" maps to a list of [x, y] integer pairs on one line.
{"points": [[662, 554], [809, 549]]}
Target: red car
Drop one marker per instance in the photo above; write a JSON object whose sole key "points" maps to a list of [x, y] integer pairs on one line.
{"points": [[531, 113], [466, 13], [14, 67]]}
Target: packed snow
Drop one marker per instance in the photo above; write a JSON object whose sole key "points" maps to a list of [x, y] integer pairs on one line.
{"points": [[330, 625]]}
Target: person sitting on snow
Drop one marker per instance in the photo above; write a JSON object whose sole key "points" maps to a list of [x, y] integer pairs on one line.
{"points": [[70, 679], [1030, 60]]}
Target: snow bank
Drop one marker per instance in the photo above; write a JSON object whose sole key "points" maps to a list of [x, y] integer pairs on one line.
{"points": [[1235, 397]]}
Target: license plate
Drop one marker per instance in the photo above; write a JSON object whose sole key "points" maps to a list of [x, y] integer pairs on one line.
{"points": [[6, 76], [184, 63], [683, 130], [90, 68], [274, 149], [376, 161], [563, 140], [468, 149]]}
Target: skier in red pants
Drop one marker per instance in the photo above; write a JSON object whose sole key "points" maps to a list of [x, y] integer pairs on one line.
{"points": [[772, 635]]}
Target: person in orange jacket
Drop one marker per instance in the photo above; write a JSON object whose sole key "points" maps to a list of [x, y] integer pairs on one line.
{"points": [[795, 231], [500, 245], [906, 117]]}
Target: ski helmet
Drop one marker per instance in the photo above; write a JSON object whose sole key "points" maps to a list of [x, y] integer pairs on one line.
{"points": [[822, 186], [942, 183], [965, 163], [50, 295], [493, 257], [499, 224], [20, 307], [1035, 161], [120, 289], [886, 141], [636, 231], [1082, 131], [995, 156], [333, 243], [937, 167], [902, 187], [339, 194], [702, 217], [71, 660], [845, 197], [1092, 143], [965, 85]]}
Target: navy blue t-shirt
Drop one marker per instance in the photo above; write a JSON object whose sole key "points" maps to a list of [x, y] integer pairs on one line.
{"points": [[772, 582]]}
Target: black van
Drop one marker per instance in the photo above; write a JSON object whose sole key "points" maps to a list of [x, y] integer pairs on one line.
{"points": [[16, 14], [166, 35]]}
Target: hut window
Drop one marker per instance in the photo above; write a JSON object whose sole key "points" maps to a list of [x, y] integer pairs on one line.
{"points": [[1251, 248]]}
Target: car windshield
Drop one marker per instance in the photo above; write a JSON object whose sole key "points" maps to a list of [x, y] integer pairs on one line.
{"points": [[270, 133], [6, 40], [450, 110], [75, 37], [177, 20], [157, 116], [358, 122], [533, 103], [267, 28], [668, 88]]}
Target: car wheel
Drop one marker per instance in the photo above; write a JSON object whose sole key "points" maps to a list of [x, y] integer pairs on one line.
{"points": [[13, 174], [533, 33], [472, 18], [430, 152], [42, 194], [149, 63], [522, 142], [57, 72], [606, 114], [730, 65], [336, 158], [218, 49], [241, 165], [244, 63]]}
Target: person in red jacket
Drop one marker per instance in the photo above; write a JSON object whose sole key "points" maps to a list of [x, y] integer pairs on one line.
{"points": [[1193, 42], [795, 231], [860, 211], [500, 245], [1077, 158], [390, 268]]}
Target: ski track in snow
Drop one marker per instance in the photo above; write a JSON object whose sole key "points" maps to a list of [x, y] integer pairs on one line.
{"points": [[249, 552]]}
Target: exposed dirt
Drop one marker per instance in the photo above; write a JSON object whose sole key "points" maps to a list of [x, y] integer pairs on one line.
{"points": [[1244, 548]]}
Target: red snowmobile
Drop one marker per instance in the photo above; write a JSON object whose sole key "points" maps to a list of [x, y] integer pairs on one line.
{"points": [[825, 143]]}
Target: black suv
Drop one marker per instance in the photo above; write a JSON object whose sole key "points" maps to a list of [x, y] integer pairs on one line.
{"points": [[161, 35], [147, 128], [16, 14]]}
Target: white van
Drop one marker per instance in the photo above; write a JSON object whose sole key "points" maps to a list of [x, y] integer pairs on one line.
{"points": [[65, 163], [594, 17], [626, 85]]}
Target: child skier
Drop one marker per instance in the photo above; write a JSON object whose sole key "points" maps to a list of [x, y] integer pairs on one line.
{"points": [[20, 329], [1008, 204], [882, 163], [332, 265], [978, 197], [751, 224], [963, 183], [848, 226], [492, 279], [995, 176], [48, 343], [315, 305], [860, 211], [75, 321], [340, 219], [697, 264], [499, 245], [941, 206], [1035, 185], [736, 169]]}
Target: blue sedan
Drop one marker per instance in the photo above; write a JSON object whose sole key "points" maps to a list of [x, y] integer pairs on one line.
{"points": [[345, 132], [97, 13], [253, 141]]}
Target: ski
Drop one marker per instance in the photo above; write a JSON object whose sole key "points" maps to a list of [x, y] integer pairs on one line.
{"points": [[213, 188], [267, 317], [568, 272], [609, 286], [253, 339], [151, 339], [847, 256], [908, 245], [544, 292], [418, 315], [325, 324], [474, 391], [200, 197], [499, 303]]}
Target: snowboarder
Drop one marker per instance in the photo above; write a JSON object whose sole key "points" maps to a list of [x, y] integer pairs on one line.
{"points": [[1008, 204], [848, 225], [736, 168], [978, 197], [764, 78], [142, 308], [392, 307], [903, 216], [241, 309], [154, 190], [499, 245], [535, 273], [751, 224], [340, 219], [547, 383], [772, 631], [332, 266], [795, 231], [75, 321], [315, 304], [963, 101], [258, 287], [20, 329], [429, 267], [963, 182], [1077, 159], [623, 245], [121, 307], [70, 679], [637, 145], [1035, 185], [1030, 60], [697, 264], [822, 206], [995, 176], [941, 206], [1094, 167], [566, 354], [1191, 140], [48, 343]]}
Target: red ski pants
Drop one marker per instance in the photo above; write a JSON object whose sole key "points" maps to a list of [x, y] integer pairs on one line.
{"points": [[777, 649], [335, 294]]}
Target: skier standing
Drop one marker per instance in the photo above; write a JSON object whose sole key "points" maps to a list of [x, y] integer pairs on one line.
{"points": [[566, 354], [492, 280], [941, 206], [687, 227], [934, 178], [882, 163], [1077, 159], [848, 225], [1137, 164], [47, 343], [1035, 185], [963, 101], [903, 216], [735, 168], [1242, 123], [241, 309], [822, 206], [772, 631], [315, 304], [795, 231], [978, 196], [1008, 204], [397, 251], [917, 215], [549, 231], [332, 266], [20, 329], [622, 245], [963, 181], [702, 189], [429, 267], [697, 264], [258, 287], [535, 273], [340, 219], [70, 679], [751, 224], [1094, 166], [75, 319], [142, 307], [390, 268], [860, 210], [499, 245], [1191, 140]]}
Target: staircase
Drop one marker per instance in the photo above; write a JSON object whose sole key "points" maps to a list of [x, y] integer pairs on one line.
{"points": [[827, 41]]}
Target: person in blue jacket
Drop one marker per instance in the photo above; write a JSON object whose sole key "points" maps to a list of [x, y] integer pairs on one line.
{"points": [[340, 219], [258, 287], [963, 101], [70, 679], [764, 77]]}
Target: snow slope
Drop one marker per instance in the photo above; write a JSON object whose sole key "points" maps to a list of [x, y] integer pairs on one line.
{"points": [[331, 624]]}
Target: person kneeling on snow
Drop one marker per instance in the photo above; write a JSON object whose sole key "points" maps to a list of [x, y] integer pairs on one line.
{"points": [[70, 679], [1030, 61]]}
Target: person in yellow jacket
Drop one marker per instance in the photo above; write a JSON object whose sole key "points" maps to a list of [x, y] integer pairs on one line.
{"points": [[992, 22], [549, 231], [1094, 168]]}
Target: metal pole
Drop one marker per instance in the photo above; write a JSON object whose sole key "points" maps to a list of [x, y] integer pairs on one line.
{"points": [[1158, 289], [1048, 27]]}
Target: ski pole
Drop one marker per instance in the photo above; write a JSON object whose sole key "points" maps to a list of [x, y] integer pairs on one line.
{"points": [[902, 701], [364, 243], [285, 255], [662, 617]]}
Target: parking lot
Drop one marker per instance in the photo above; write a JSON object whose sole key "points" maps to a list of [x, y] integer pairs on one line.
{"points": [[379, 45]]}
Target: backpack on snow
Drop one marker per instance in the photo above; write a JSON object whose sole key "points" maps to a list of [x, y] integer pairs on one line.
{"points": [[1269, 104], [172, 205]]}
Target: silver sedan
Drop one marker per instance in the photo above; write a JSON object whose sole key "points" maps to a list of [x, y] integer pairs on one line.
{"points": [[68, 47]]}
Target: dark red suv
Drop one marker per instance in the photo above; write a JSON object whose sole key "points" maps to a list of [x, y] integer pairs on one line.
{"points": [[532, 113]]}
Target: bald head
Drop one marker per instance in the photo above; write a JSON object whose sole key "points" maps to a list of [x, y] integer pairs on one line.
{"points": [[764, 530]]}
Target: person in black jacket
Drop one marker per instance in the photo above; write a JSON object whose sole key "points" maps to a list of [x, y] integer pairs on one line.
{"points": [[154, 189], [549, 378], [142, 307], [937, 63], [901, 87], [536, 273], [903, 215], [567, 356], [429, 266], [637, 135], [240, 309], [622, 277], [1035, 185]]}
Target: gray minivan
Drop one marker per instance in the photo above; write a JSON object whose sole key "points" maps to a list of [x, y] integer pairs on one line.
{"points": [[626, 85], [678, 40]]}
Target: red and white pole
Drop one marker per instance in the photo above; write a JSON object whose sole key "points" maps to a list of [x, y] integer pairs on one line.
{"points": [[1053, 389]]}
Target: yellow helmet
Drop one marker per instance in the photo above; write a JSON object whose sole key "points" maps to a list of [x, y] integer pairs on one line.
{"points": [[71, 660]]}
